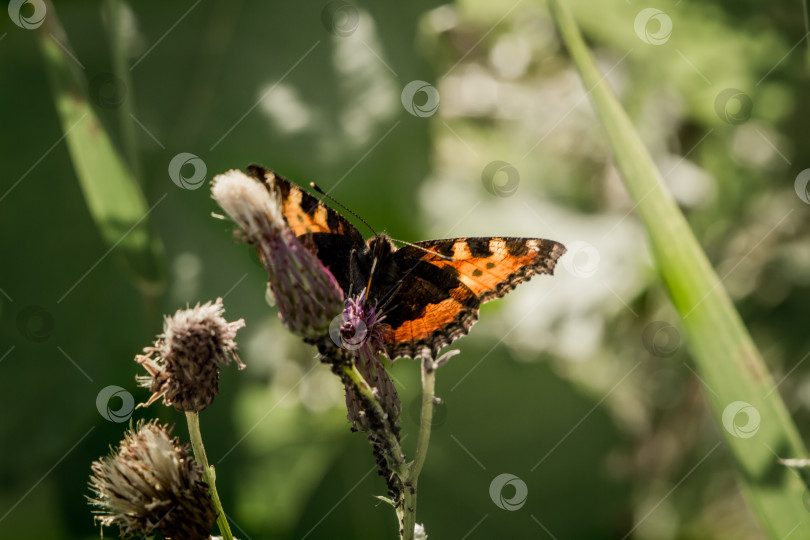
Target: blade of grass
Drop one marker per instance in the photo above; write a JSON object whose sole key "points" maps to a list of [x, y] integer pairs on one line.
{"points": [[113, 13], [722, 349], [113, 196]]}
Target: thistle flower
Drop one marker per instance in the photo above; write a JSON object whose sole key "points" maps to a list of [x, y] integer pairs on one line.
{"points": [[183, 364], [151, 484], [307, 294], [361, 333]]}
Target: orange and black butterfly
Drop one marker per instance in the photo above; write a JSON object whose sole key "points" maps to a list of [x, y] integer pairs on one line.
{"points": [[430, 291]]}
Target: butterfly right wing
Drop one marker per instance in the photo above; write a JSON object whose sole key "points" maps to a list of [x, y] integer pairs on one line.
{"points": [[444, 282]]}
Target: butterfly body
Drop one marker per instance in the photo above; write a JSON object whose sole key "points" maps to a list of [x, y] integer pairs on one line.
{"points": [[431, 291]]}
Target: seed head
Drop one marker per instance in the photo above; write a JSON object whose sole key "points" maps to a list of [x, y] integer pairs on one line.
{"points": [[183, 364], [151, 484]]}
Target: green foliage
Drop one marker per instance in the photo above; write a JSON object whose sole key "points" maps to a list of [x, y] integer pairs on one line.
{"points": [[559, 384]]}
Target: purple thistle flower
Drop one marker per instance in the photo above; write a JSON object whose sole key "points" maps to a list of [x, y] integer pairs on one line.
{"points": [[361, 327], [361, 332], [308, 295]]}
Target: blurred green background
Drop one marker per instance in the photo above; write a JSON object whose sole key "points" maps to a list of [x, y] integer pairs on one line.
{"points": [[580, 385]]}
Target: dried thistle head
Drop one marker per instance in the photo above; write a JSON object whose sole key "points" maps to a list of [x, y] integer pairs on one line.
{"points": [[183, 364], [151, 484], [307, 294]]}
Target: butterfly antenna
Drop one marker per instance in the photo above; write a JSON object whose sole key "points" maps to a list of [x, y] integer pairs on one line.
{"points": [[423, 248], [314, 186]]}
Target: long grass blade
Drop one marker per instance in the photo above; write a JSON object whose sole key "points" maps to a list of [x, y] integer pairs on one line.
{"points": [[746, 404], [114, 197]]}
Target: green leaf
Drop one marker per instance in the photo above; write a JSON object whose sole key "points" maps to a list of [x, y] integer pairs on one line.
{"points": [[113, 196], [742, 390]]}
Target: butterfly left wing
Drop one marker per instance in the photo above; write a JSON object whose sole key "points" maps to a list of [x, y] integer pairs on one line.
{"points": [[304, 213], [438, 298], [322, 230]]}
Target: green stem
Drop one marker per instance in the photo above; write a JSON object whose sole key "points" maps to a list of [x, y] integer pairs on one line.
{"points": [[399, 465], [425, 420], [193, 419], [406, 507], [422, 442]]}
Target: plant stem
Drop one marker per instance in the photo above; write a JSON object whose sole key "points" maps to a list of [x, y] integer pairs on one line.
{"points": [[399, 465], [422, 442], [406, 506], [193, 419], [425, 420]]}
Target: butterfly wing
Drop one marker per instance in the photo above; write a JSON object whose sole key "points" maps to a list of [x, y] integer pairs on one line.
{"points": [[491, 267], [322, 230], [439, 298]]}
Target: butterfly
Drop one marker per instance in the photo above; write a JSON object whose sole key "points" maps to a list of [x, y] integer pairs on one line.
{"points": [[430, 291]]}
